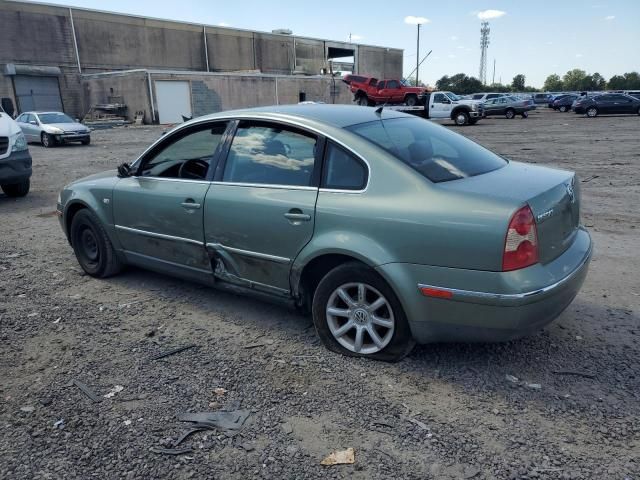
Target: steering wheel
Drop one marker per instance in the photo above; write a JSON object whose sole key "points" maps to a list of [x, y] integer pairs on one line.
{"points": [[194, 168]]}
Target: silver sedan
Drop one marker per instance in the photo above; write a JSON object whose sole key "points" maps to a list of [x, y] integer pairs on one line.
{"points": [[52, 128]]}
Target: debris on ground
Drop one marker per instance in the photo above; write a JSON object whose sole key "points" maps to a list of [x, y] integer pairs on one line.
{"points": [[574, 373], [222, 420], [512, 379], [27, 409], [533, 386], [340, 457], [87, 391], [219, 392], [171, 451], [113, 391], [172, 352], [59, 423]]}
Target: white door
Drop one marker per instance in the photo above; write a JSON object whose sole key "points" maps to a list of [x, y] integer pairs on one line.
{"points": [[174, 101]]}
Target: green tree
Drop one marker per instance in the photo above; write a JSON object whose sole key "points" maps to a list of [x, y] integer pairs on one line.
{"points": [[617, 82], [411, 81], [574, 79], [459, 83], [598, 82], [632, 81], [553, 83], [518, 83]]}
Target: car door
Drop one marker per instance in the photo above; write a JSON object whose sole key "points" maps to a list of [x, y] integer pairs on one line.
{"points": [[490, 107], [440, 106], [158, 210], [393, 91], [260, 210], [28, 128], [605, 103], [623, 104], [381, 92]]}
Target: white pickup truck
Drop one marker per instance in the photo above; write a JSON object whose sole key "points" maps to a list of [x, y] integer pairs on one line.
{"points": [[450, 105], [15, 159], [446, 105]]}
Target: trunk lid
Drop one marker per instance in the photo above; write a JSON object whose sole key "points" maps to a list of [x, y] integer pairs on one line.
{"points": [[553, 196]]}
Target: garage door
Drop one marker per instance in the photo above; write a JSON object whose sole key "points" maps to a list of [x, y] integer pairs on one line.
{"points": [[174, 101], [37, 93]]}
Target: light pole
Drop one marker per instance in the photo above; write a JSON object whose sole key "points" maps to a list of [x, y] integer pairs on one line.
{"points": [[417, 21]]}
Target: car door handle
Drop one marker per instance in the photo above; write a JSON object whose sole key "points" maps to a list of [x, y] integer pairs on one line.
{"points": [[189, 204], [297, 216]]}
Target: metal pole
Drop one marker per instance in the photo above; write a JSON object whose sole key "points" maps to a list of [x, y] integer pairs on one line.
{"points": [[418, 56], [206, 50], [493, 80], [153, 107], [75, 41]]}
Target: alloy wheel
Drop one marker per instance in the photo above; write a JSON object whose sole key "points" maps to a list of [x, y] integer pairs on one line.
{"points": [[592, 112], [360, 318]]}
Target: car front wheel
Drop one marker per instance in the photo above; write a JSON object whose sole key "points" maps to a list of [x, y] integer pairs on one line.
{"points": [[461, 118], [92, 246], [356, 313], [47, 140], [563, 109], [592, 112], [17, 189], [510, 113]]}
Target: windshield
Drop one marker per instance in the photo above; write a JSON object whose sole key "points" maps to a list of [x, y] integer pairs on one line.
{"points": [[434, 151], [55, 118], [453, 96]]}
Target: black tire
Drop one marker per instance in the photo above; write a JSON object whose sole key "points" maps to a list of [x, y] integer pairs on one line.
{"points": [[17, 189], [86, 142], [591, 112], [47, 140], [562, 108], [510, 113], [92, 246], [400, 343], [363, 101], [525, 114], [411, 100], [461, 118]]}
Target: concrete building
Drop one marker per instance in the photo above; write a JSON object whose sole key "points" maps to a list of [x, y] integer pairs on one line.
{"points": [[54, 57]]}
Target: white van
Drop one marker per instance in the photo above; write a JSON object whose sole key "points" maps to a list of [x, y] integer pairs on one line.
{"points": [[15, 159]]}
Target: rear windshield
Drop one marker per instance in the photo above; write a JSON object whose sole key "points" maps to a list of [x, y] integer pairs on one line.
{"points": [[435, 152], [54, 118]]}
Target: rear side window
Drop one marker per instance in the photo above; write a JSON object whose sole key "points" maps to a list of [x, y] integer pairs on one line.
{"points": [[272, 155], [342, 170], [435, 152]]}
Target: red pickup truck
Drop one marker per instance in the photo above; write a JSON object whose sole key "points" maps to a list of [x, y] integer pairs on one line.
{"points": [[371, 91]]}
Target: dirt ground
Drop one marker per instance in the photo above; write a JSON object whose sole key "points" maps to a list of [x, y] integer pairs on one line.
{"points": [[448, 411]]}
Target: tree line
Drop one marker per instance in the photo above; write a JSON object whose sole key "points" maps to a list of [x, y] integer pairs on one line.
{"points": [[573, 80]]}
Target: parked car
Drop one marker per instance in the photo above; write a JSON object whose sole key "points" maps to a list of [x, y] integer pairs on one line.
{"points": [[52, 128], [15, 159], [610, 103], [507, 106], [540, 98], [389, 228], [372, 92], [564, 103], [348, 78], [483, 97], [633, 93]]}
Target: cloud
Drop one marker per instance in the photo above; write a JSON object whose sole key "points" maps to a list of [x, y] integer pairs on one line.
{"points": [[609, 17], [355, 37], [451, 56], [460, 47], [549, 43], [454, 38], [411, 20], [579, 55], [490, 14], [223, 24]]}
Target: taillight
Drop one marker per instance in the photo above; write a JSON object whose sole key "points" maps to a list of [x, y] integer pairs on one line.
{"points": [[521, 242]]}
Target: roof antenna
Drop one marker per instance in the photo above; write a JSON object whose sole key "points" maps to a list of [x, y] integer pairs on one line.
{"points": [[379, 110]]}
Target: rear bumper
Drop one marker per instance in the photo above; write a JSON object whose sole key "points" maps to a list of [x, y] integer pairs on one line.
{"points": [[490, 306], [15, 168]]}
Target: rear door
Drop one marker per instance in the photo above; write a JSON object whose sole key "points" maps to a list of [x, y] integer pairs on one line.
{"points": [[260, 210], [158, 211]]}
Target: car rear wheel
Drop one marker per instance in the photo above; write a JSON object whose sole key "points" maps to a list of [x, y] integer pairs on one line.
{"points": [[411, 100], [592, 112], [356, 313], [17, 189], [461, 118], [563, 109], [525, 114], [510, 113], [92, 246], [47, 140]]}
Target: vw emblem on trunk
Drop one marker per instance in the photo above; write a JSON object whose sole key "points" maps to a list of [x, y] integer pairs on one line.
{"points": [[570, 192]]}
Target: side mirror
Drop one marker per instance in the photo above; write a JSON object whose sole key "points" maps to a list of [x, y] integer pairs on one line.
{"points": [[124, 170], [33, 122]]}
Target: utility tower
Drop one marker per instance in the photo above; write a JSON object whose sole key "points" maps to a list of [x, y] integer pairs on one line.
{"points": [[484, 44]]}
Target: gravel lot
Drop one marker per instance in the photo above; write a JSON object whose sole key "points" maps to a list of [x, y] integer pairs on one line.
{"points": [[447, 411]]}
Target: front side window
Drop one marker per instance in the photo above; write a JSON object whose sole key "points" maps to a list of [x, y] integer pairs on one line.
{"points": [[435, 152], [272, 155], [393, 84], [342, 170], [438, 98], [48, 118], [187, 157]]}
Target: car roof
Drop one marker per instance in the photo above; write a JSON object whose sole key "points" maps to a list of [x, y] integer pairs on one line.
{"points": [[40, 113], [340, 116]]}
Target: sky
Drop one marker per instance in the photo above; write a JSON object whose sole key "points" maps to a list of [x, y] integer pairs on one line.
{"points": [[535, 38]]}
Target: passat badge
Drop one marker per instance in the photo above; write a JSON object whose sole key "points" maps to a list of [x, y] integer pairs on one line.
{"points": [[544, 215]]}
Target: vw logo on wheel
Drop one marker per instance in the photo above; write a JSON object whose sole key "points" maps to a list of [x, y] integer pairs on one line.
{"points": [[360, 316]]}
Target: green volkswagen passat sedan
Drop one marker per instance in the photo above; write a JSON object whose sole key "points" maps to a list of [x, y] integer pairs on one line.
{"points": [[388, 228]]}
